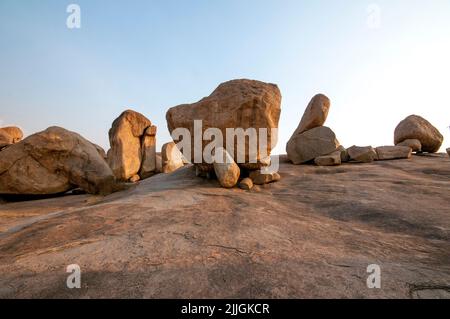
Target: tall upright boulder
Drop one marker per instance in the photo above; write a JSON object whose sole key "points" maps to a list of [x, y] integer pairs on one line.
{"points": [[418, 128], [237, 104], [126, 137], [148, 165], [171, 157], [315, 115], [54, 161]]}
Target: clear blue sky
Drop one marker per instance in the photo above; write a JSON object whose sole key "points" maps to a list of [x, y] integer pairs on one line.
{"points": [[151, 55]]}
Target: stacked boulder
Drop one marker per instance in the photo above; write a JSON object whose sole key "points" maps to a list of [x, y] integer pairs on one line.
{"points": [[52, 162], [171, 158], [132, 155], [311, 140], [9, 136], [418, 134], [237, 104]]}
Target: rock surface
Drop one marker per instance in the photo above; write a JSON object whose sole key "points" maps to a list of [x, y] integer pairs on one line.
{"points": [[315, 114], [225, 168], [311, 144], [172, 159], [416, 127], [125, 135], [51, 162], [332, 159], [235, 104], [393, 152], [312, 235], [365, 154], [415, 145]]}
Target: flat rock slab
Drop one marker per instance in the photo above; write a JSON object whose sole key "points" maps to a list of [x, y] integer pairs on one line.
{"points": [[311, 235]]}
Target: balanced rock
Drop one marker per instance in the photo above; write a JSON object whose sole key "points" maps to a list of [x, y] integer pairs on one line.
{"points": [[311, 144], [10, 135], [238, 104], [226, 169], [246, 184], [172, 159], [393, 152], [125, 137], [415, 145], [261, 178], [148, 165], [54, 161], [332, 159], [416, 127], [315, 114], [362, 154]]}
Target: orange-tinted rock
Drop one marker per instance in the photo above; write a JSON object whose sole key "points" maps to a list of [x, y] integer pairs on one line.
{"points": [[416, 127]]}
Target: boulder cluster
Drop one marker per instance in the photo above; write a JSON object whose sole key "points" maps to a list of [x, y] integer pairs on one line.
{"points": [[312, 142], [56, 160]]}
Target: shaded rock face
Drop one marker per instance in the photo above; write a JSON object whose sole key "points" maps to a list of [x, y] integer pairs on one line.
{"points": [[315, 114], [313, 143], [364, 154], [415, 145], [54, 161], [10, 135], [131, 145], [416, 127], [393, 152], [237, 104], [171, 157]]}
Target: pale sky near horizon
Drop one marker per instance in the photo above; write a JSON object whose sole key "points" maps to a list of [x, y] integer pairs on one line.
{"points": [[152, 55]]}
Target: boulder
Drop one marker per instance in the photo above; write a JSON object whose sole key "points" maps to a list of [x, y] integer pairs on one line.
{"points": [[148, 165], [315, 114], [54, 161], [416, 127], [415, 145], [362, 154], [393, 152], [15, 133], [246, 184], [311, 144], [125, 135], [332, 159], [172, 159], [238, 104], [260, 178], [158, 163], [344, 154], [226, 169], [5, 139]]}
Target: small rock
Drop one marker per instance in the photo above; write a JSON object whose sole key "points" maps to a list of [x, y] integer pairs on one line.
{"points": [[393, 152], [226, 169], [135, 178], [246, 184], [311, 144], [416, 127], [414, 144], [259, 178], [332, 159], [362, 154]]}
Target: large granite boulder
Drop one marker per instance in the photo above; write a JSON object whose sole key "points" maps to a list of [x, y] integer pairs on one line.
{"points": [[315, 114], [237, 104], [126, 137], [311, 144], [416, 127], [54, 161]]}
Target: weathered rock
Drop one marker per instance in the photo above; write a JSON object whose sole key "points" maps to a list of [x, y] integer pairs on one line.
{"points": [[5, 139], [415, 145], [315, 114], [260, 178], [344, 154], [148, 165], [101, 151], [125, 155], [393, 152], [362, 154], [134, 179], [226, 169], [13, 131], [54, 161], [172, 159], [416, 127], [237, 104], [332, 159], [311, 144], [246, 184]]}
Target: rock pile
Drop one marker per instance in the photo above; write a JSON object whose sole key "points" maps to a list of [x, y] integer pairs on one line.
{"points": [[132, 155]]}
